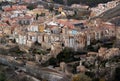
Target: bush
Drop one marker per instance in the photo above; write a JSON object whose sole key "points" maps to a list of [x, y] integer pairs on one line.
{"points": [[88, 2], [67, 55], [31, 6], [117, 74], [81, 77], [2, 76], [53, 61]]}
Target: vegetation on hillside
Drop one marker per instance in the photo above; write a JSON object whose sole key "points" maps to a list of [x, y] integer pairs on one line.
{"points": [[81, 77], [87, 2]]}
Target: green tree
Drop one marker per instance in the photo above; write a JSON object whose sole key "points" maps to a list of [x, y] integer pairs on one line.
{"points": [[2, 76], [117, 74], [37, 15], [66, 55], [88, 2], [52, 61], [31, 6]]}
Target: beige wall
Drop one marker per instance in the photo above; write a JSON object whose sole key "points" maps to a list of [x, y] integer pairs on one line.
{"points": [[118, 33]]}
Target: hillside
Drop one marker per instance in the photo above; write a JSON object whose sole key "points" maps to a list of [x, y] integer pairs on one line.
{"points": [[112, 15], [91, 3]]}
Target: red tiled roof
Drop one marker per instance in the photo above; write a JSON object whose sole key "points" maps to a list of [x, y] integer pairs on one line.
{"points": [[69, 23], [8, 9], [66, 23], [15, 7]]}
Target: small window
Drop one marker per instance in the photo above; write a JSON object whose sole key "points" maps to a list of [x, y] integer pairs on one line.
{"points": [[112, 31]]}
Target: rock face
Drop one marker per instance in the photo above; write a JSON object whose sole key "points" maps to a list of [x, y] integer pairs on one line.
{"points": [[63, 66], [38, 58], [109, 53], [5, 49], [81, 69], [34, 70], [101, 8], [111, 14]]}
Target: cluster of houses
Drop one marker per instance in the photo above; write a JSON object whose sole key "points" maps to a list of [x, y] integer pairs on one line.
{"points": [[42, 27], [27, 27], [96, 11], [14, 1]]}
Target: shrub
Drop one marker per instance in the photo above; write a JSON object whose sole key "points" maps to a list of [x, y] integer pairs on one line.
{"points": [[2, 76], [81, 77]]}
